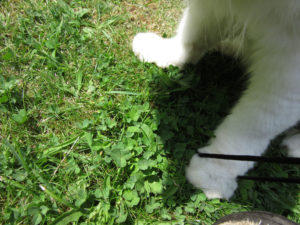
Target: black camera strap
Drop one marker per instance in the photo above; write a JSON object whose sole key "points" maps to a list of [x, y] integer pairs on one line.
{"points": [[277, 160]]}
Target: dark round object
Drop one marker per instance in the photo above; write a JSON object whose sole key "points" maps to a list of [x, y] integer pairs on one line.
{"points": [[256, 217]]}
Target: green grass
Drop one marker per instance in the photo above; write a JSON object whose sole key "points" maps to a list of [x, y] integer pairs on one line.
{"points": [[90, 135]]}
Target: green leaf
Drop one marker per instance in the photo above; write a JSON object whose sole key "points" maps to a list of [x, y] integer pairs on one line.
{"points": [[134, 114], [131, 198], [19, 176], [131, 182], [8, 55], [156, 187], [44, 209], [98, 193], [67, 217], [51, 44], [119, 154], [134, 129], [209, 209], [143, 164], [165, 215], [147, 131], [36, 219], [79, 76], [81, 197], [85, 124], [3, 99], [197, 198], [148, 154], [110, 123], [152, 206], [89, 138], [3, 109], [122, 215], [190, 208], [171, 191], [104, 191], [20, 117]]}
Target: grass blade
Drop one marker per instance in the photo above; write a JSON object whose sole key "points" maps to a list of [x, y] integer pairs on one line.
{"points": [[123, 93], [56, 197], [67, 217], [54, 150], [18, 154]]}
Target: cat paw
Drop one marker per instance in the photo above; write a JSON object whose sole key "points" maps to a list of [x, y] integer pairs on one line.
{"points": [[293, 145], [211, 177], [150, 47]]}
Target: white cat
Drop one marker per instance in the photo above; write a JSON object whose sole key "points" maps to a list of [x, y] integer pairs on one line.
{"points": [[270, 30]]}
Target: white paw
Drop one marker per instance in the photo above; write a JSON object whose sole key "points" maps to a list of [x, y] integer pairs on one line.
{"points": [[150, 47], [293, 145], [212, 177]]}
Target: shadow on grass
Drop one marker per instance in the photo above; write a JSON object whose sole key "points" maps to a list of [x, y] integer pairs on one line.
{"points": [[190, 108]]}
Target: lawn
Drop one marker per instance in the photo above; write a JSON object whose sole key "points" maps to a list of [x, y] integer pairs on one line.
{"points": [[91, 135]]}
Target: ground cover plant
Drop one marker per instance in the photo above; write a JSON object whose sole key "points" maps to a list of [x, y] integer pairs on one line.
{"points": [[91, 135]]}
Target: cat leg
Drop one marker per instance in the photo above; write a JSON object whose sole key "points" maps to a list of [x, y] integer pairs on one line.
{"points": [[198, 32], [269, 106], [150, 47], [293, 144]]}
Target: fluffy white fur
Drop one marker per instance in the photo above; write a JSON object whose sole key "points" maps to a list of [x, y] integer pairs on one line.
{"points": [[270, 31]]}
